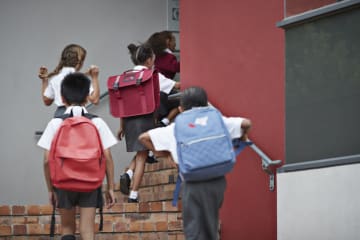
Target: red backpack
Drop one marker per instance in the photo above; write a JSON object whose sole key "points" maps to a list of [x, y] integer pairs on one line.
{"points": [[76, 159], [134, 93]]}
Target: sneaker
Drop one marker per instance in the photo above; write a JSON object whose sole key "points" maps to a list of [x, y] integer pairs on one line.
{"points": [[151, 159], [125, 184], [133, 200]]}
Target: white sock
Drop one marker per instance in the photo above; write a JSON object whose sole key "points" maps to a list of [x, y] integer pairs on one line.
{"points": [[133, 194], [165, 121], [130, 173]]}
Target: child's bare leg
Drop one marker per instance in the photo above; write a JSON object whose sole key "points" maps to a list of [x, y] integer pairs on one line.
{"points": [[172, 114], [170, 117], [132, 164], [87, 222], [139, 170], [138, 174], [68, 224]]}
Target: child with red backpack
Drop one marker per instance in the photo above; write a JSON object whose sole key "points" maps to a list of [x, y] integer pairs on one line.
{"points": [[131, 127], [77, 158]]}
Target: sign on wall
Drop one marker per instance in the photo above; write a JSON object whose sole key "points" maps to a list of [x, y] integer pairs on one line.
{"points": [[173, 15]]}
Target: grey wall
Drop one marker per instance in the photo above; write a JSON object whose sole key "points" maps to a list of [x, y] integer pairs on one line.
{"points": [[321, 204], [33, 33]]}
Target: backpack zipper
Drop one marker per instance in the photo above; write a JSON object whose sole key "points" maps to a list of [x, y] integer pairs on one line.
{"points": [[204, 139]]}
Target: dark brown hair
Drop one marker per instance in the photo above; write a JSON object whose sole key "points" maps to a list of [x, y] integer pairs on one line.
{"points": [[139, 54], [193, 97]]}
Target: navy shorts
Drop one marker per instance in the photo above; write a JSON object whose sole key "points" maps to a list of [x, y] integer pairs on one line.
{"points": [[69, 199]]}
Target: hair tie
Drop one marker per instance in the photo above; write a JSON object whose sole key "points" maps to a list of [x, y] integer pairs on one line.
{"points": [[137, 53]]}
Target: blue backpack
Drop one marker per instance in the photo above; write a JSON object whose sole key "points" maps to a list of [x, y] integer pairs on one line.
{"points": [[204, 146]]}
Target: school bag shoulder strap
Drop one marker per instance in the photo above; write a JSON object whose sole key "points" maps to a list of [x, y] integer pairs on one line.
{"points": [[69, 115]]}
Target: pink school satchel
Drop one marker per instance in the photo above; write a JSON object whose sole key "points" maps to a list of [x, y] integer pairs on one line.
{"points": [[134, 93]]}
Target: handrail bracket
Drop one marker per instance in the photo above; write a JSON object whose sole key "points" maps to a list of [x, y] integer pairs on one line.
{"points": [[267, 165]]}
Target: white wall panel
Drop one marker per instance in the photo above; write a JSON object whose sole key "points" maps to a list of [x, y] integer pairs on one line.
{"points": [[321, 204]]}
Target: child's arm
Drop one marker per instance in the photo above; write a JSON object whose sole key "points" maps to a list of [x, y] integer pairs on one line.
{"points": [[51, 194], [166, 84], [245, 126], [145, 139], [120, 133], [94, 74], [110, 197], [177, 85], [43, 75]]}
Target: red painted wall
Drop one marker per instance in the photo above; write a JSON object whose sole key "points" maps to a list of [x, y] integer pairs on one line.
{"points": [[234, 50]]}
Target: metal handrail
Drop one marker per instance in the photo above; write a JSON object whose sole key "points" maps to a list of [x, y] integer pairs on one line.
{"points": [[267, 165], [103, 95]]}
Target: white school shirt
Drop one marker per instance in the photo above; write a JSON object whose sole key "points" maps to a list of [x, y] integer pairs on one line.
{"points": [[168, 51], [53, 90], [166, 84], [107, 138], [163, 138]]}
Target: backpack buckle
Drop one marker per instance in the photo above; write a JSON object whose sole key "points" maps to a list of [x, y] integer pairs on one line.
{"points": [[116, 83]]}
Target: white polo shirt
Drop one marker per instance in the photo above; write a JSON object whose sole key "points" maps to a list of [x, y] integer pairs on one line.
{"points": [[166, 84], [53, 90], [107, 138], [163, 138]]}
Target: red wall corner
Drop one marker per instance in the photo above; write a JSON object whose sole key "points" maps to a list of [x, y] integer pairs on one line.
{"points": [[235, 51]]}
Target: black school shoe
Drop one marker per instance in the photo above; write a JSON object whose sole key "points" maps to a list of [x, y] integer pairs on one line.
{"points": [[132, 200], [151, 159], [160, 124], [125, 184], [68, 237]]}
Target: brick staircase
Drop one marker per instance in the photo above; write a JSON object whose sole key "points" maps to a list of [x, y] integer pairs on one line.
{"points": [[152, 218]]}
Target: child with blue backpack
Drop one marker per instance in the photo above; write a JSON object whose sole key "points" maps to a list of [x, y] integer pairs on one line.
{"points": [[202, 191]]}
